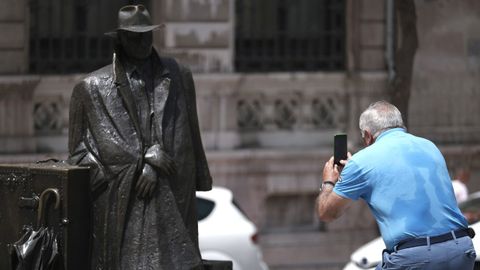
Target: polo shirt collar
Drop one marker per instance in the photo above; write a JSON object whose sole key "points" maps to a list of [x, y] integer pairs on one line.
{"points": [[389, 131]]}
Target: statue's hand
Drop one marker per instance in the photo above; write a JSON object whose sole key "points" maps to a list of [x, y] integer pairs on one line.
{"points": [[146, 182], [159, 159]]}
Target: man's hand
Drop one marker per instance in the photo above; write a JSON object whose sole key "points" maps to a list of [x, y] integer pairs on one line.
{"points": [[159, 159], [344, 162], [330, 171], [146, 182], [329, 205]]}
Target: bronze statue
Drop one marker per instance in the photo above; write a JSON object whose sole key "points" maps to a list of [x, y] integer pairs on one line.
{"points": [[134, 122]]}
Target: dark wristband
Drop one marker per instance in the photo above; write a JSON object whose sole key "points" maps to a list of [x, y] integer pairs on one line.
{"points": [[324, 183], [329, 183]]}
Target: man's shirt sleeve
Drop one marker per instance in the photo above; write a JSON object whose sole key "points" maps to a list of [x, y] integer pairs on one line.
{"points": [[352, 184]]}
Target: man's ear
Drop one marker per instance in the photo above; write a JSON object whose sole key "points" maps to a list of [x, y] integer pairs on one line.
{"points": [[369, 139]]}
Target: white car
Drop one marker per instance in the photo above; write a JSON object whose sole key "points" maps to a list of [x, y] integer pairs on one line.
{"points": [[367, 256], [370, 254], [225, 233]]}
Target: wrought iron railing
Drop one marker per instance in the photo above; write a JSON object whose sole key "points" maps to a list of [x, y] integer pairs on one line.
{"points": [[67, 36], [281, 35]]}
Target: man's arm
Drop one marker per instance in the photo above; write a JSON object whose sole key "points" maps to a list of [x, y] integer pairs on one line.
{"points": [[330, 206]]}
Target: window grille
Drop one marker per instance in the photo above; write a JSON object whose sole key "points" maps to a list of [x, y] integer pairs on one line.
{"points": [[285, 35], [67, 36]]}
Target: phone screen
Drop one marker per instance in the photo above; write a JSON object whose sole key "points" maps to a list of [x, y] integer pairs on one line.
{"points": [[339, 148]]}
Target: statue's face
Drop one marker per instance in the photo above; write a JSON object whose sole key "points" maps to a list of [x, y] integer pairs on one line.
{"points": [[136, 45]]}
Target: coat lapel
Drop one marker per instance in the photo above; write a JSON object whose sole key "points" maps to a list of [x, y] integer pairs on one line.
{"points": [[161, 93], [162, 86], [123, 86], [160, 98]]}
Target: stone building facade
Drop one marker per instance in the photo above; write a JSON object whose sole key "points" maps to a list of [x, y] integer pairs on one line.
{"points": [[267, 133]]}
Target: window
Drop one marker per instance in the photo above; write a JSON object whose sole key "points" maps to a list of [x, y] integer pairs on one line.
{"points": [[204, 208], [67, 36], [282, 35]]}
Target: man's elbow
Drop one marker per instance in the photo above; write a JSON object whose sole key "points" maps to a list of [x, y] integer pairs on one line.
{"points": [[327, 218], [326, 215]]}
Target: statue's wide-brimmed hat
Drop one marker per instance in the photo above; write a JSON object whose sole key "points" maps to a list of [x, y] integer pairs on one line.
{"points": [[134, 18]]}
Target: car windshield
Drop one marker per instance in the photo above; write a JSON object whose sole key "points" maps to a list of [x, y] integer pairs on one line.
{"points": [[204, 208]]}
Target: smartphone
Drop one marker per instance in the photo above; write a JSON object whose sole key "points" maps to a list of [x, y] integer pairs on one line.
{"points": [[339, 148]]}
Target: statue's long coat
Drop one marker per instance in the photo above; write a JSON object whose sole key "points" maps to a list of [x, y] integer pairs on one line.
{"points": [[105, 134]]}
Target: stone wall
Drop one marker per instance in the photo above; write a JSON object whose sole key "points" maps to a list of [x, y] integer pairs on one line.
{"points": [[16, 114], [238, 111], [271, 111], [445, 88], [198, 32], [51, 101], [14, 42], [366, 32]]}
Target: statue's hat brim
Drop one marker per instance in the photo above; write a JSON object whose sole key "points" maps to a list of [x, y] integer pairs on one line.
{"points": [[136, 28], [134, 18]]}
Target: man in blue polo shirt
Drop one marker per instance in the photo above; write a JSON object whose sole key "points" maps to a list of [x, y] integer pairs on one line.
{"points": [[405, 182]]}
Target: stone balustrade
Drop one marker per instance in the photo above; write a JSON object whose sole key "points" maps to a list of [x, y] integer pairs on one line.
{"points": [[278, 110]]}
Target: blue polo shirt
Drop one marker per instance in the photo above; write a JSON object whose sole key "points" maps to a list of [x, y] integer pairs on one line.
{"points": [[405, 182]]}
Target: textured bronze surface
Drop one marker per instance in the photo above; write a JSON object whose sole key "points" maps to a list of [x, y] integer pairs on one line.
{"points": [[19, 208], [135, 124]]}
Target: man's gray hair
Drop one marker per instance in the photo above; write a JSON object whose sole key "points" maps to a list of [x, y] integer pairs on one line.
{"points": [[380, 116]]}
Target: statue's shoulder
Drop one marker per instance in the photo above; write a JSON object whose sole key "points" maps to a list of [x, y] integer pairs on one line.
{"points": [[97, 78], [100, 75], [169, 62]]}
